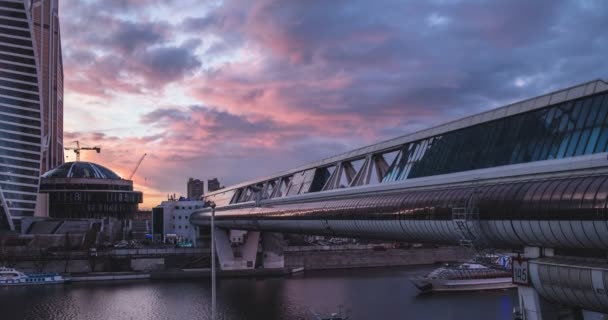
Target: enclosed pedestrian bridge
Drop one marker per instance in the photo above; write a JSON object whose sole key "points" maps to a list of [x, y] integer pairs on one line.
{"points": [[529, 173], [530, 177]]}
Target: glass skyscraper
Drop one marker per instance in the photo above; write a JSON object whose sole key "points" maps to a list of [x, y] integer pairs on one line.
{"points": [[21, 112]]}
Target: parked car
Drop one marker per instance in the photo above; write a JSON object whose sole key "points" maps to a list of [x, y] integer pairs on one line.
{"points": [[121, 244]]}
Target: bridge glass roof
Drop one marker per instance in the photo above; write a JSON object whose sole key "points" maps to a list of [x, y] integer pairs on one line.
{"points": [[568, 129]]}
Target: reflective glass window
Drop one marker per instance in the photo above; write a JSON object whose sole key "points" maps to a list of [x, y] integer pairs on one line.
{"points": [[582, 143], [20, 112], [572, 145], [18, 68], [13, 14], [14, 23], [600, 103], [581, 107], [593, 138], [593, 112]]}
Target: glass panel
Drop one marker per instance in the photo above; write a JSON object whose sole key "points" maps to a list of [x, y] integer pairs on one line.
{"points": [[603, 108], [584, 111], [602, 142], [573, 143], [563, 146], [592, 141], [593, 112], [582, 144]]}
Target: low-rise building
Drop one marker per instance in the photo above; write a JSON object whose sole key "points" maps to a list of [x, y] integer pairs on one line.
{"points": [[171, 221]]}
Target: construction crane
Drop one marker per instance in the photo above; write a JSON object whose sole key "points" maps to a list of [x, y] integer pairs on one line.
{"points": [[79, 148], [137, 166]]}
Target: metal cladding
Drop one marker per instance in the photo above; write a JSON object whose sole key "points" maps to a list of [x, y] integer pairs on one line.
{"points": [[532, 173], [20, 115], [571, 282], [88, 190], [565, 212]]}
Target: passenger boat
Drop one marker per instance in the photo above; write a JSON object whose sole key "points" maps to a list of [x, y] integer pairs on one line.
{"points": [[12, 277], [467, 277]]}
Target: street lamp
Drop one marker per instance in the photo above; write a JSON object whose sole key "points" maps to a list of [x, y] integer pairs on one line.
{"points": [[213, 298]]}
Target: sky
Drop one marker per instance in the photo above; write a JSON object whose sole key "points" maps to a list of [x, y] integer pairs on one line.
{"points": [[243, 89]]}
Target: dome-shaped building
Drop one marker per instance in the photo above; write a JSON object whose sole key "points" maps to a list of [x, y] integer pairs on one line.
{"points": [[88, 190]]}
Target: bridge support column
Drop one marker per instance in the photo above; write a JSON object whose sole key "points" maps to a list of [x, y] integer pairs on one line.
{"points": [[272, 246], [236, 249], [533, 306]]}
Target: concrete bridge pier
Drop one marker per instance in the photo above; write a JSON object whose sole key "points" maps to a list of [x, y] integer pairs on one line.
{"points": [[560, 287], [534, 307], [238, 249]]}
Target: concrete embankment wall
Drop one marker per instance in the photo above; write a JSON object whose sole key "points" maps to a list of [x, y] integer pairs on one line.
{"points": [[317, 260], [84, 266], [311, 258]]}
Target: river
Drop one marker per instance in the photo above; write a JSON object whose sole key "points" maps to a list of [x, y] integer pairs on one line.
{"points": [[364, 293]]}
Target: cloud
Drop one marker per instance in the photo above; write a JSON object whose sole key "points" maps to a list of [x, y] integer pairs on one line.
{"points": [[245, 88]]}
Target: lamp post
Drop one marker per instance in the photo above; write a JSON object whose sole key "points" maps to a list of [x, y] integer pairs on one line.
{"points": [[213, 298]]}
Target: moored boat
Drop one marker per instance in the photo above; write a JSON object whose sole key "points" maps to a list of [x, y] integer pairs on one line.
{"points": [[466, 277], [12, 277]]}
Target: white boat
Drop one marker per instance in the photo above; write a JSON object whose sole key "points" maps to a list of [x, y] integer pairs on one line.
{"points": [[470, 276], [12, 277]]}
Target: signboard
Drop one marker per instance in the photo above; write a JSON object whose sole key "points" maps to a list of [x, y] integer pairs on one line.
{"points": [[521, 271]]}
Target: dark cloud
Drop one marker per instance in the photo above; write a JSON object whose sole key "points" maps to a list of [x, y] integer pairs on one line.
{"points": [[418, 57], [129, 36], [165, 64]]}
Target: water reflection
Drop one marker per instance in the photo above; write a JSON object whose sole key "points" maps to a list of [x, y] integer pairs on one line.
{"points": [[367, 293]]}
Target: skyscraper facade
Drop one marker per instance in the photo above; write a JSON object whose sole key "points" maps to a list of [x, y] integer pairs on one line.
{"points": [[196, 188], [20, 114], [45, 18]]}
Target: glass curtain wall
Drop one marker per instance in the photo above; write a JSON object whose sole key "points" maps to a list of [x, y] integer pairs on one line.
{"points": [[568, 129]]}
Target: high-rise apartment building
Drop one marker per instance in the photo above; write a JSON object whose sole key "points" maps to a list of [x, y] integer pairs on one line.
{"points": [[20, 114], [213, 185], [196, 188], [45, 22]]}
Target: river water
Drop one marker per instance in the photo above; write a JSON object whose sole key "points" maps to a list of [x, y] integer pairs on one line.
{"points": [[365, 293]]}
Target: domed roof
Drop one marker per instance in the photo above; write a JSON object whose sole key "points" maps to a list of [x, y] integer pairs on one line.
{"points": [[81, 169]]}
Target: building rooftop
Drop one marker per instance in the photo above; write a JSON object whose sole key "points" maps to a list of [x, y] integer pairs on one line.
{"points": [[81, 169]]}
